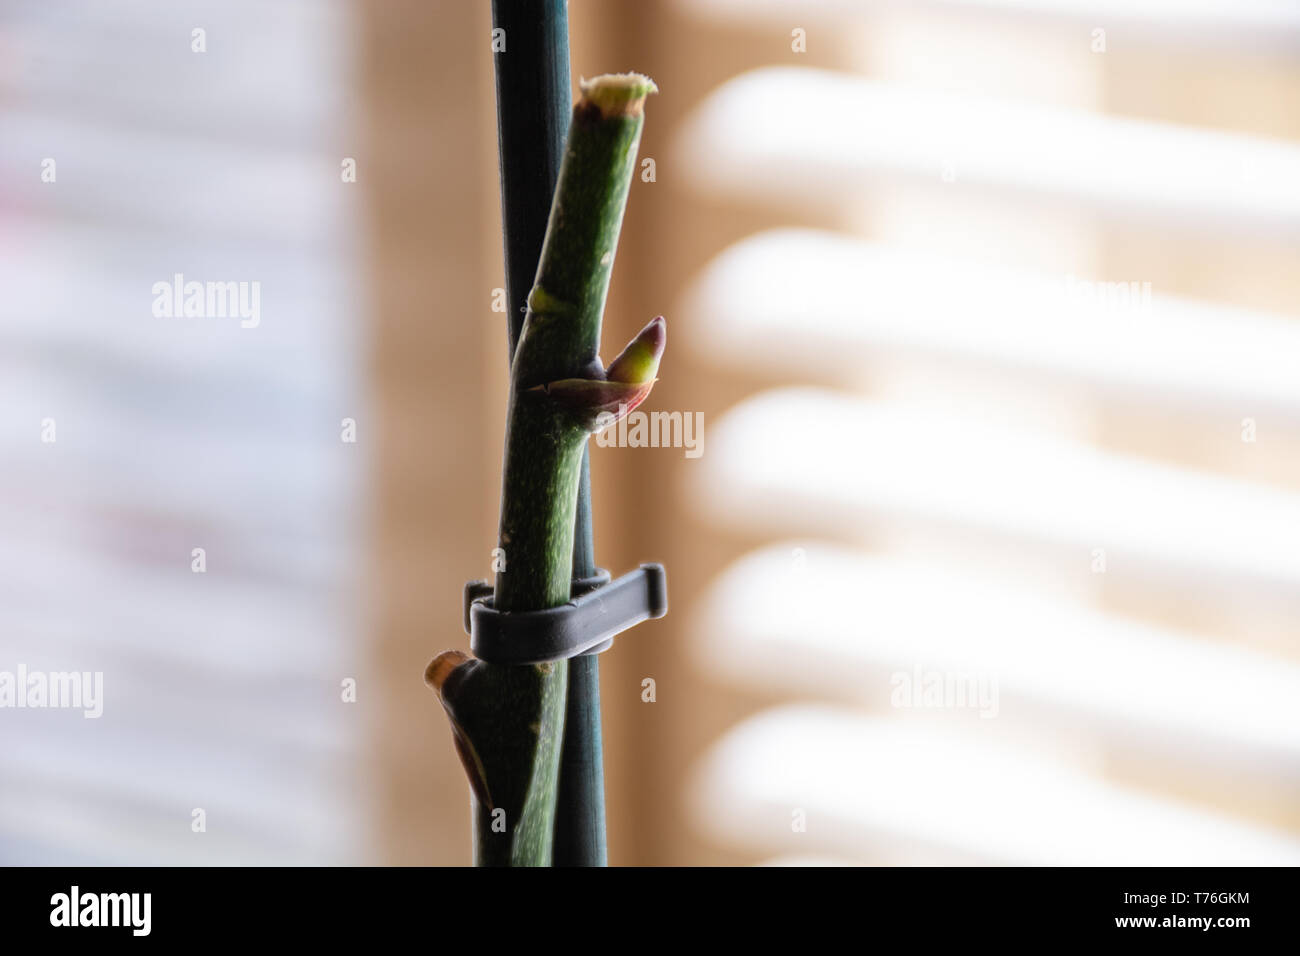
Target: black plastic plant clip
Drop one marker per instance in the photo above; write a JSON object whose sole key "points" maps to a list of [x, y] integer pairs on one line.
{"points": [[599, 610]]}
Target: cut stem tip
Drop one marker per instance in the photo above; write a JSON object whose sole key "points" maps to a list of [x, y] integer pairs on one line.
{"points": [[617, 94], [440, 668]]}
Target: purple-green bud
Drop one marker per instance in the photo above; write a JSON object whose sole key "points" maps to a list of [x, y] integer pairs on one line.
{"points": [[597, 403], [640, 360]]}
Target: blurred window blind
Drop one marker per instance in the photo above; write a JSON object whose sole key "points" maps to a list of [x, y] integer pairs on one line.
{"points": [[204, 140], [1013, 445]]}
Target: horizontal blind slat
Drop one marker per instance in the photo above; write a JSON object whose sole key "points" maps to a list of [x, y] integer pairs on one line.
{"points": [[867, 785], [767, 467], [756, 139], [1046, 661], [780, 300]]}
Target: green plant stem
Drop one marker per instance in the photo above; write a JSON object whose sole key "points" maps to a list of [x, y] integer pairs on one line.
{"points": [[509, 721], [533, 105]]}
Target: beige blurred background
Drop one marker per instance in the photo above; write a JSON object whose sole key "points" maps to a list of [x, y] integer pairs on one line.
{"points": [[990, 309]]}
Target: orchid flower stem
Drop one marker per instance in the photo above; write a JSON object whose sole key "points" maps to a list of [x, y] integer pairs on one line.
{"points": [[533, 105], [509, 722]]}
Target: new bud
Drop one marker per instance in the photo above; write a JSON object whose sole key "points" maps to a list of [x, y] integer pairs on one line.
{"points": [[640, 360], [597, 403]]}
